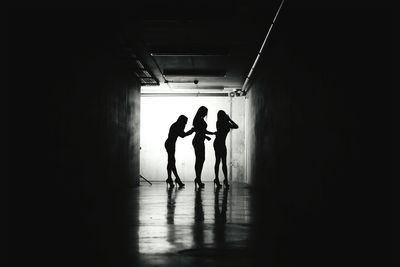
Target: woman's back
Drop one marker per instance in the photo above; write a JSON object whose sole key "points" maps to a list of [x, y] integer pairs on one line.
{"points": [[174, 132]]}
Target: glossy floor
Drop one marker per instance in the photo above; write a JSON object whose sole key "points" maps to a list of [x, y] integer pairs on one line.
{"points": [[191, 226]]}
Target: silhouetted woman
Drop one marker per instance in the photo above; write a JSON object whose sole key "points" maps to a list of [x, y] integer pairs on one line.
{"points": [[176, 129], [224, 125], [200, 127]]}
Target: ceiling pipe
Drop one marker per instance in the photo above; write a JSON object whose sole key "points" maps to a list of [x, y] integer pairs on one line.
{"points": [[244, 87], [197, 94]]}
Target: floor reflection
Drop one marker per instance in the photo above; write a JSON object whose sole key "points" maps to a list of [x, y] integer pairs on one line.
{"points": [[172, 221], [220, 216], [198, 225], [171, 204]]}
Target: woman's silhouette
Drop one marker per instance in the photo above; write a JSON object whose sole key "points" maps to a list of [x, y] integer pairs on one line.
{"points": [[200, 127], [224, 125], [176, 129]]}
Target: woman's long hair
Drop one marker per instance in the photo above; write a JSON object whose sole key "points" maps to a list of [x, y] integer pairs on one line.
{"points": [[201, 113], [222, 116], [181, 121]]}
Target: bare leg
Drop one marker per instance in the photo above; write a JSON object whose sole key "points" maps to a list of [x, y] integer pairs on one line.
{"points": [[201, 167], [200, 157], [224, 168], [216, 170], [169, 172], [216, 166], [177, 178], [197, 169], [175, 172], [171, 164]]}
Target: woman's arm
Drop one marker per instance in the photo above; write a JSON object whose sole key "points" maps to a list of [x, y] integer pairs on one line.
{"points": [[233, 125], [183, 134], [208, 132]]}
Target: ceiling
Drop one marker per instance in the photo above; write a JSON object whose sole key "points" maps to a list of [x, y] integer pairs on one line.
{"points": [[197, 48]]}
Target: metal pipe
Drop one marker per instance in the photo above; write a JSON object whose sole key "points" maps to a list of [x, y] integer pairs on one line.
{"points": [[230, 142], [244, 89], [184, 94]]}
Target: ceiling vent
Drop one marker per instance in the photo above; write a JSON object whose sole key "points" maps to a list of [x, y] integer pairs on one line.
{"points": [[145, 77]]}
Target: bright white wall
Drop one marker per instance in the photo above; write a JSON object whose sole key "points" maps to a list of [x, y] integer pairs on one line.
{"points": [[238, 141], [157, 115]]}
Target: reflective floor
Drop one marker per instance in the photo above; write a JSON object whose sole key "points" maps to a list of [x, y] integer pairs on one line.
{"points": [[182, 227]]}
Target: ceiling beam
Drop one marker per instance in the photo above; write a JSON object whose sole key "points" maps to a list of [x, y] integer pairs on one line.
{"points": [[189, 51], [194, 73]]}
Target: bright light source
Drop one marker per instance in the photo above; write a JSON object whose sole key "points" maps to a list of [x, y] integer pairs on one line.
{"points": [[157, 115]]}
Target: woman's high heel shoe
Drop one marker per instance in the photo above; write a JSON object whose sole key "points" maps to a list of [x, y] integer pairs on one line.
{"points": [[170, 182], [217, 183], [226, 183], [197, 181], [179, 183]]}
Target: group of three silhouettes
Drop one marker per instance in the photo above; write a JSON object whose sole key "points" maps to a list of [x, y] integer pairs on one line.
{"points": [[224, 124]]}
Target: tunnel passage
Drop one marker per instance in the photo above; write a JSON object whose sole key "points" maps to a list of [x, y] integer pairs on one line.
{"points": [[317, 131], [157, 115]]}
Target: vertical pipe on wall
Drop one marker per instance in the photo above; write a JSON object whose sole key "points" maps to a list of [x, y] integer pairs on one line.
{"points": [[230, 141], [245, 140]]}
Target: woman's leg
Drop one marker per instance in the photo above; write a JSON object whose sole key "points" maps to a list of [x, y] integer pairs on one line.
{"points": [[175, 171], [217, 162], [171, 163], [197, 165], [171, 167], [196, 153], [177, 178], [200, 157], [224, 167]]}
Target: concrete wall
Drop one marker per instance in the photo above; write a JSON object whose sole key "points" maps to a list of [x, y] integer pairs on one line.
{"points": [[313, 113], [75, 113], [238, 140]]}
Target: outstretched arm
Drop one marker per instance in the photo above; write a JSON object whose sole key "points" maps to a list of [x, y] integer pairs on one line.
{"points": [[211, 133], [183, 134], [207, 132]]}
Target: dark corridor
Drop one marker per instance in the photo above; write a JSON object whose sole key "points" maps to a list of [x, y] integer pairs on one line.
{"points": [[319, 133]]}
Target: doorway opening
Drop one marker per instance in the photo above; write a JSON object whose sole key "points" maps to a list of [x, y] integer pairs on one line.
{"points": [[159, 112]]}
